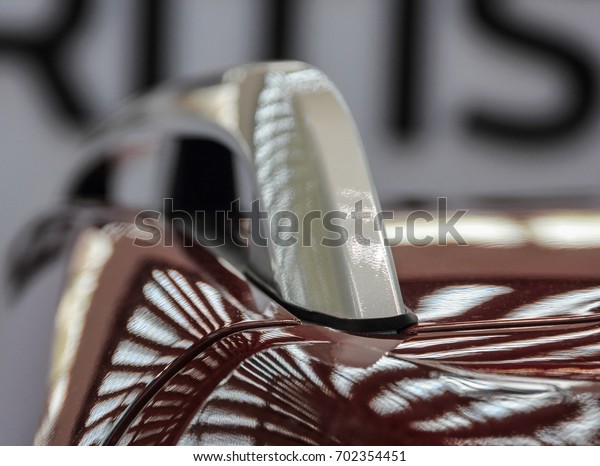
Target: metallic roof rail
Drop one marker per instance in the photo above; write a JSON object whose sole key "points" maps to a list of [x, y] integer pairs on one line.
{"points": [[296, 149]]}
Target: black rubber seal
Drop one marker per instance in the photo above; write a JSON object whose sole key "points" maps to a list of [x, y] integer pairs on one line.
{"points": [[389, 325]]}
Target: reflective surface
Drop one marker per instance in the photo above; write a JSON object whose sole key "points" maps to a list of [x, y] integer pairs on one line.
{"points": [[312, 386], [519, 267], [291, 133], [129, 315], [167, 345]]}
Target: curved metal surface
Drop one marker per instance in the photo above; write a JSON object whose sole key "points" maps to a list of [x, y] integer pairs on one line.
{"points": [[291, 132], [172, 345], [130, 315], [167, 345], [311, 386]]}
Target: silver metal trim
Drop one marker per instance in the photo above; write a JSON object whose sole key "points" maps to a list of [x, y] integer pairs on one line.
{"points": [[289, 127]]}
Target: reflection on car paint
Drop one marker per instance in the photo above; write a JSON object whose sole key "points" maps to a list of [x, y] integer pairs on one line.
{"points": [[182, 349]]}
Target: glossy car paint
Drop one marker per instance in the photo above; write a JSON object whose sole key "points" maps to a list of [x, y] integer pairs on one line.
{"points": [[171, 345]]}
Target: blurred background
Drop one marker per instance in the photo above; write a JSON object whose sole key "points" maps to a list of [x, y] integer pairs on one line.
{"points": [[470, 99], [482, 101]]}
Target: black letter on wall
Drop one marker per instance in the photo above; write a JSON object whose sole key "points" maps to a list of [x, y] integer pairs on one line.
{"points": [[407, 66], [581, 91], [46, 51]]}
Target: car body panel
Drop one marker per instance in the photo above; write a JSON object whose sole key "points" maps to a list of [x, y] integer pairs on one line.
{"points": [[167, 344]]}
